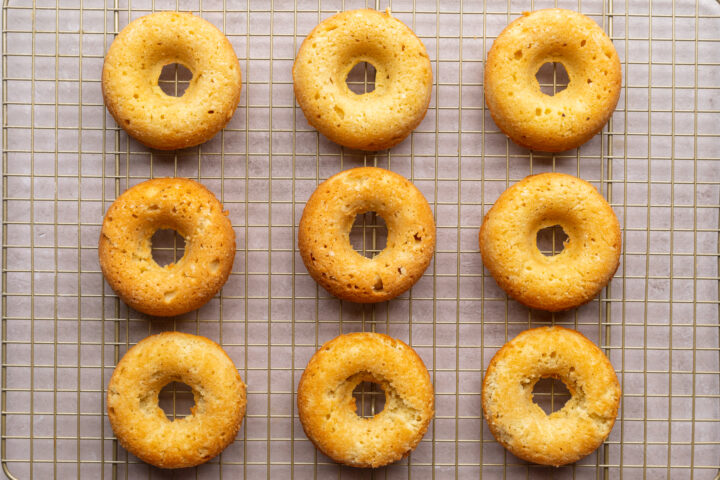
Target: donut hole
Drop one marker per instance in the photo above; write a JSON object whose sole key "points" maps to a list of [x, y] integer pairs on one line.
{"points": [[361, 78], [551, 240], [369, 399], [174, 79], [552, 78], [368, 235], [176, 400], [550, 394], [168, 247]]}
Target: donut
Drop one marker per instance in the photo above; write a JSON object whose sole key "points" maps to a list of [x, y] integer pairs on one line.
{"points": [[591, 253], [403, 80], [125, 248], [324, 243], [521, 426], [132, 68], [140, 424], [571, 117], [327, 409]]}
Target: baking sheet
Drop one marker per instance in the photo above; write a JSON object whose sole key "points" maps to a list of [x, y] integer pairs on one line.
{"points": [[65, 161]]}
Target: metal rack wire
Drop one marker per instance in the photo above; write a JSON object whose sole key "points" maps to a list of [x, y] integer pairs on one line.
{"points": [[65, 160]]}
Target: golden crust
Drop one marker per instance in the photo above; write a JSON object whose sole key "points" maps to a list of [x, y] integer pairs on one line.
{"points": [[574, 276], [327, 408], [571, 117], [403, 80], [125, 248], [323, 235], [132, 68], [521, 426], [141, 425]]}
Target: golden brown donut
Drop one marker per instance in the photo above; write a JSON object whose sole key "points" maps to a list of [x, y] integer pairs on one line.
{"points": [[403, 80], [521, 426], [327, 408], [132, 68], [571, 117], [141, 425], [324, 243], [125, 248], [591, 253]]}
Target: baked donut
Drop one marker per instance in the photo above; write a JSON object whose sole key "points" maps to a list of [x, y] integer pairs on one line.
{"points": [[571, 117], [327, 409], [324, 242], [132, 68], [125, 248], [521, 426], [141, 425], [403, 80], [591, 253]]}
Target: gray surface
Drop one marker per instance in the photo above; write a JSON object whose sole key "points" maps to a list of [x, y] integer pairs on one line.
{"points": [[65, 161]]}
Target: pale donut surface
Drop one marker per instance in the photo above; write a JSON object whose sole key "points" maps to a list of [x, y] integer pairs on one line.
{"points": [[521, 426], [140, 424], [125, 247], [327, 408], [591, 253], [571, 117], [132, 68], [324, 242], [403, 80]]}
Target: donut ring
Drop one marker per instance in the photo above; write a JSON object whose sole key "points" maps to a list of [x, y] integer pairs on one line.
{"points": [[125, 248], [327, 408], [521, 426], [132, 68], [324, 243], [566, 280], [141, 425], [403, 80], [571, 117]]}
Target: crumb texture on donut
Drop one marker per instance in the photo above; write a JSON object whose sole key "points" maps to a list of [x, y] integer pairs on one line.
{"points": [[591, 253], [132, 68], [140, 424], [521, 426], [403, 80], [125, 247], [327, 408], [324, 243], [570, 117]]}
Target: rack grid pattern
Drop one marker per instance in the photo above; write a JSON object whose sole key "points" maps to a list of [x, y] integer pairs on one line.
{"points": [[64, 161]]}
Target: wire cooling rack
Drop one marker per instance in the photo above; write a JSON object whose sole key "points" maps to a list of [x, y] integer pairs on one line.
{"points": [[65, 161]]}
